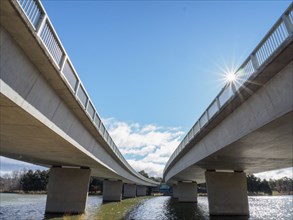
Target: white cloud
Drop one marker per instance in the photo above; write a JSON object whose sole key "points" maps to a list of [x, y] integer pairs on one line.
{"points": [[3, 172], [7, 163], [146, 147], [149, 147], [7, 166], [152, 168], [276, 174]]}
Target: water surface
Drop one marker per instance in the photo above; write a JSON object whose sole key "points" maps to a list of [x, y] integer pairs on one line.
{"points": [[22, 206], [260, 207]]}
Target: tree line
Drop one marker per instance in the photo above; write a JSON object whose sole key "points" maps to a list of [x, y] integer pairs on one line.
{"points": [[37, 180], [145, 174], [256, 185], [25, 180]]}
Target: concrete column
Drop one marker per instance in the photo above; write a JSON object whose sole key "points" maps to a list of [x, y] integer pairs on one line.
{"points": [[187, 191], [141, 190], [155, 189], [129, 190], [175, 192], [112, 190], [148, 190], [227, 193], [67, 190]]}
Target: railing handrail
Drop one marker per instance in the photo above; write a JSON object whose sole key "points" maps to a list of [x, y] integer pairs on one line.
{"points": [[42, 25], [254, 61]]}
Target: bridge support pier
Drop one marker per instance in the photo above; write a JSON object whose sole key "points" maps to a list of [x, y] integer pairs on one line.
{"points": [[141, 190], [112, 190], [129, 190], [227, 193], [187, 191], [67, 190], [175, 191]]}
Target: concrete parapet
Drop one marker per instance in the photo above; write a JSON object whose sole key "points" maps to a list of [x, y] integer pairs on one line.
{"points": [[227, 193], [67, 190], [187, 191], [112, 190]]}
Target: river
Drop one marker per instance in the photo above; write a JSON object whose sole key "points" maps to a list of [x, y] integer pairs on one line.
{"points": [[21, 206]]}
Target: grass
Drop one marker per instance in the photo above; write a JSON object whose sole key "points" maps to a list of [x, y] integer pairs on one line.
{"points": [[118, 210], [276, 193]]}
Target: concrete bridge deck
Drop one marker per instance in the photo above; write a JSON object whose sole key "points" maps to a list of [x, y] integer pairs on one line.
{"points": [[46, 115], [247, 128]]}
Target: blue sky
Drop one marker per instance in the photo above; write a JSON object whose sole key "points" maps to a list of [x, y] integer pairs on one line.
{"points": [[152, 67], [158, 62]]}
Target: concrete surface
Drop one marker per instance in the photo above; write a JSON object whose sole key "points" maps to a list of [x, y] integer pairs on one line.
{"points": [[227, 193], [141, 190], [112, 191], [175, 191], [187, 191], [67, 190], [129, 190], [41, 120], [255, 137]]}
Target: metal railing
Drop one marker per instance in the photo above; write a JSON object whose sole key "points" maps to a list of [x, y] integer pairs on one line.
{"points": [[279, 33], [40, 22]]}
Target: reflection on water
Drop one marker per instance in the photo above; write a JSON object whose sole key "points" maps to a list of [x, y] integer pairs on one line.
{"points": [[261, 207], [23, 206], [17, 206], [166, 208], [271, 207], [176, 210]]}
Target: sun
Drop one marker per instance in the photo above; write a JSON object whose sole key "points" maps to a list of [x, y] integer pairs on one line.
{"points": [[230, 77]]}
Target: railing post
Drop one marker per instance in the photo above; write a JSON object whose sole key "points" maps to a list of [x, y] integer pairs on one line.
{"points": [[208, 115], [254, 61], [76, 88], [87, 104], [218, 103], [41, 24], [288, 24], [62, 62], [233, 87], [95, 115]]}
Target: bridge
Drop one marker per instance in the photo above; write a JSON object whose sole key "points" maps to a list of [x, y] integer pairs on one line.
{"points": [[247, 128], [47, 117]]}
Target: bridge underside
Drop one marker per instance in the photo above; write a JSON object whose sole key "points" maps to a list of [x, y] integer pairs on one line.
{"points": [[267, 148], [25, 138], [42, 121], [253, 133]]}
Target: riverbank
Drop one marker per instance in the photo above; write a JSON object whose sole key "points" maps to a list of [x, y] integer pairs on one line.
{"points": [[99, 193], [274, 193], [23, 192], [118, 210]]}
